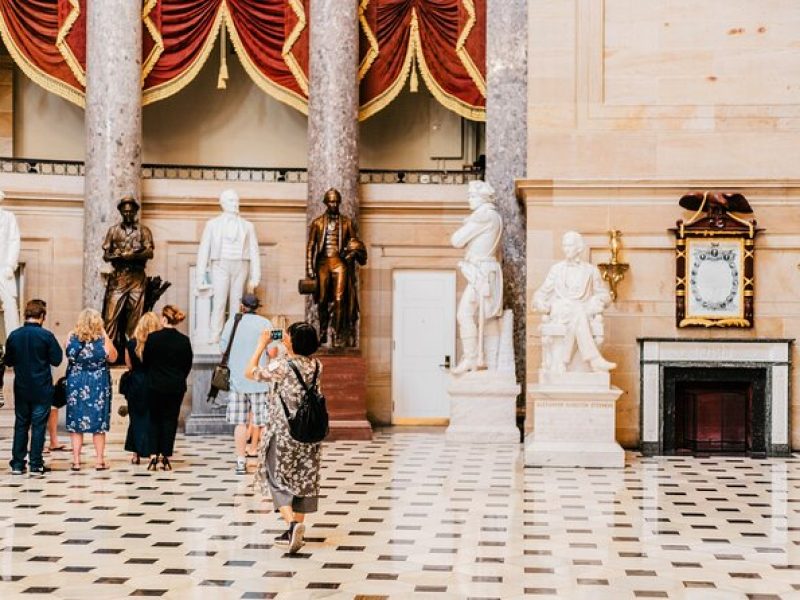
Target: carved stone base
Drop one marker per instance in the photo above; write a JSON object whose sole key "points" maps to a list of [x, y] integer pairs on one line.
{"points": [[483, 408], [574, 427], [205, 417], [344, 383]]}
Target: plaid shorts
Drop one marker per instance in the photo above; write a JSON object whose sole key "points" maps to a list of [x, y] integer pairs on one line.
{"points": [[240, 405]]}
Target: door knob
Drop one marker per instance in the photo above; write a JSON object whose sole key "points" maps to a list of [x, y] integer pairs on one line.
{"points": [[446, 364]]}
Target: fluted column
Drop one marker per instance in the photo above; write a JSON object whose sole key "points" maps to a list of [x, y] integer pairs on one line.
{"points": [[333, 105], [113, 126], [507, 144]]}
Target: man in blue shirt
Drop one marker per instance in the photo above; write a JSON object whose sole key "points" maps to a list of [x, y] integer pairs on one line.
{"points": [[246, 396], [31, 351]]}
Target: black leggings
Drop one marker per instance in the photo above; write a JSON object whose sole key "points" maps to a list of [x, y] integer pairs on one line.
{"points": [[164, 412]]}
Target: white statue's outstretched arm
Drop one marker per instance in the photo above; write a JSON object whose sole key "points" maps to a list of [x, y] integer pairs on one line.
{"points": [[542, 298], [13, 248], [255, 257], [203, 253]]}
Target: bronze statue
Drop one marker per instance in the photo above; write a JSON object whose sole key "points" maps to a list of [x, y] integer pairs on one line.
{"points": [[128, 246], [332, 255]]}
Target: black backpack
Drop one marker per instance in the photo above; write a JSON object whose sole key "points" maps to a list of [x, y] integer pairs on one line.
{"points": [[309, 424]]}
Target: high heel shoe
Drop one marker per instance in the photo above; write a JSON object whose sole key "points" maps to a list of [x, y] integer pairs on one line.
{"points": [[165, 465], [153, 465], [135, 460]]}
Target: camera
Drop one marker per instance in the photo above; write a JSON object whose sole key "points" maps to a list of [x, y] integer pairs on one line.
{"points": [[276, 334]]}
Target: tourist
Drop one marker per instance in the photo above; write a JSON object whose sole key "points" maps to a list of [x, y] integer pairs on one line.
{"points": [[167, 357], [246, 396], [31, 350], [137, 441], [89, 352], [288, 470]]}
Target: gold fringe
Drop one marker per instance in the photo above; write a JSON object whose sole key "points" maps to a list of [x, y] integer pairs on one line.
{"points": [[169, 88], [222, 78], [374, 48], [37, 75], [462, 53], [63, 47], [286, 52], [281, 94], [714, 323], [388, 95], [158, 49]]}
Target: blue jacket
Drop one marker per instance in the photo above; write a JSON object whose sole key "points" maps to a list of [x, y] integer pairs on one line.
{"points": [[32, 350]]}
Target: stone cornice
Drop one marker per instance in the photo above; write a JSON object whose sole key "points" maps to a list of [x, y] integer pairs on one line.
{"points": [[578, 192]]}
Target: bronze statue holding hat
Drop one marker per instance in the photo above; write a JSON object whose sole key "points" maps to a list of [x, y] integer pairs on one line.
{"points": [[332, 255]]}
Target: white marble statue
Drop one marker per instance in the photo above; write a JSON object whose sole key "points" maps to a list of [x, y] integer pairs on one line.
{"points": [[227, 260], [481, 303], [572, 300], [9, 259]]}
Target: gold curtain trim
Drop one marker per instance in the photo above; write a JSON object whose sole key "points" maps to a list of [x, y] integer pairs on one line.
{"points": [[158, 49], [37, 75], [461, 51], [374, 47], [281, 94], [288, 57], [175, 85], [386, 97], [63, 47], [714, 323]]}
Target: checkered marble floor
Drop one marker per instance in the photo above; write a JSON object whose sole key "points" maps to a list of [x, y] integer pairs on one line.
{"points": [[406, 516]]}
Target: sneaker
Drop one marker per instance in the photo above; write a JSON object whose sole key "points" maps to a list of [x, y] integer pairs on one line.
{"points": [[296, 541], [241, 467], [284, 538], [2, 398], [18, 470], [40, 471]]}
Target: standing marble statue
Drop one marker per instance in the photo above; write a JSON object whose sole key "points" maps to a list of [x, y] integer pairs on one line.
{"points": [[572, 300], [9, 258], [482, 300], [227, 260]]}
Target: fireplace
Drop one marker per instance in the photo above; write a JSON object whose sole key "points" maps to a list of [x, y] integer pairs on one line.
{"points": [[711, 410], [706, 396]]}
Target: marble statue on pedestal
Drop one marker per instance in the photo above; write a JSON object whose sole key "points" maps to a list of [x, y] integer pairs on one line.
{"points": [[483, 389], [574, 403], [482, 300], [228, 261], [572, 300], [9, 258]]}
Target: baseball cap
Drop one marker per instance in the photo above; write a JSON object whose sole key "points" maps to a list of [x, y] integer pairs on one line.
{"points": [[251, 301]]}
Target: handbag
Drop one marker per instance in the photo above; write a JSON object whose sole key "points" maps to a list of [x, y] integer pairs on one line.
{"points": [[221, 376], [125, 383], [60, 393], [309, 424]]}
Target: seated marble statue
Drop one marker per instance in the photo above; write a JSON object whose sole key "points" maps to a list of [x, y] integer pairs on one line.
{"points": [[572, 300]]}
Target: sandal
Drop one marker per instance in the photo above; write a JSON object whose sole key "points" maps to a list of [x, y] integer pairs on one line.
{"points": [[153, 464], [165, 464], [135, 460], [101, 467], [60, 448], [75, 467]]}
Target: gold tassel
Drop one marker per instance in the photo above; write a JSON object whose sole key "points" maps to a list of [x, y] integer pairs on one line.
{"points": [[414, 83], [222, 79]]}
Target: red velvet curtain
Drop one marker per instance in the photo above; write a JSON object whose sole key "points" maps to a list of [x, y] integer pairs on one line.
{"points": [[444, 41], [47, 39]]}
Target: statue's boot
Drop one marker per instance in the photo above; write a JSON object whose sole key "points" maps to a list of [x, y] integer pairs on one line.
{"points": [[600, 364], [469, 358]]}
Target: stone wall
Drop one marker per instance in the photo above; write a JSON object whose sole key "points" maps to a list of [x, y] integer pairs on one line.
{"points": [[404, 226]]}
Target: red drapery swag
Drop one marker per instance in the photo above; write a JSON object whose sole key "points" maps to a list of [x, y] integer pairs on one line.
{"points": [[443, 40]]}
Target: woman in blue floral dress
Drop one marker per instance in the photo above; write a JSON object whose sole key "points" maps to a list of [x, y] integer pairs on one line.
{"points": [[89, 351]]}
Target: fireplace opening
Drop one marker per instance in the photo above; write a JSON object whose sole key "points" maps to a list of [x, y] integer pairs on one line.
{"points": [[715, 410]]}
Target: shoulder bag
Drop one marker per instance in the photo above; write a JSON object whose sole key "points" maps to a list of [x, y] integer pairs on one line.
{"points": [[221, 377]]}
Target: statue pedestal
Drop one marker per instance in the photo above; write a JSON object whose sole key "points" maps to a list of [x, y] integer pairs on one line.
{"points": [[483, 406], [205, 417], [344, 383], [573, 425]]}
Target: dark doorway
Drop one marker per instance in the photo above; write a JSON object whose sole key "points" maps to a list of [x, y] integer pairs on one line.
{"points": [[715, 411]]}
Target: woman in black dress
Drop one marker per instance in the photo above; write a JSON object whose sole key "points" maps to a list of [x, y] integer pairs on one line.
{"points": [[135, 388], [167, 358]]}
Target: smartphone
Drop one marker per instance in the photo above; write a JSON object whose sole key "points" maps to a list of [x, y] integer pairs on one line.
{"points": [[276, 334]]}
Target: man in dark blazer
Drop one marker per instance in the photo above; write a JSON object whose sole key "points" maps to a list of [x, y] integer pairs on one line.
{"points": [[31, 351]]}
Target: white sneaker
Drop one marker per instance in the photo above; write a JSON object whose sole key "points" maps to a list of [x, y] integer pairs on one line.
{"points": [[296, 541], [241, 467]]}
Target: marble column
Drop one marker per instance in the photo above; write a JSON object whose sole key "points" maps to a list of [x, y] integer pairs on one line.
{"points": [[333, 105], [506, 147], [113, 126]]}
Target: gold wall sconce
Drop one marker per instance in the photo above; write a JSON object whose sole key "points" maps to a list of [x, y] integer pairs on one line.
{"points": [[613, 272]]}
